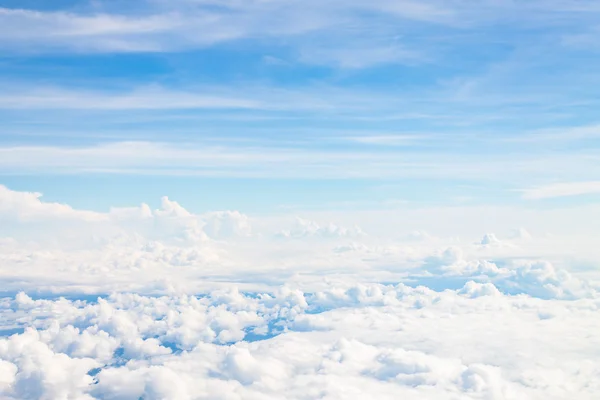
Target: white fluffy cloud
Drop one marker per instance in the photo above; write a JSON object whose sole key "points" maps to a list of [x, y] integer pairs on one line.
{"points": [[26, 206], [165, 303], [352, 340], [170, 221], [489, 239]]}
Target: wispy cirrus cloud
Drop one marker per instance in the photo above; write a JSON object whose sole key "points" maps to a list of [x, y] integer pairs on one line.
{"points": [[388, 139], [564, 134], [314, 98], [174, 28], [359, 32], [565, 189], [257, 160], [144, 98], [368, 103], [48, 31]]}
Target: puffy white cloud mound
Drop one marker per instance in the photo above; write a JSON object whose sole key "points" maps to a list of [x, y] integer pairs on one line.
{"points": [[474, 289], [169, 304], [26, 213], [536, 278], [344, 341], [490, 239], [26, 206]]}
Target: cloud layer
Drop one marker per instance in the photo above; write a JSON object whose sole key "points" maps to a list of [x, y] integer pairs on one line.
{"points": [[164, 303], [342, 342]]}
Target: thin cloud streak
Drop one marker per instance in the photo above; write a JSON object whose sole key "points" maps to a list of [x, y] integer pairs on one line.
{"points": [[566, 189], [225, 160], [151, 98], [180, 25]]}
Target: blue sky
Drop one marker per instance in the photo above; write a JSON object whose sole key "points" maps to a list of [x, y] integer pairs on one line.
{"points": [[277, 105]]}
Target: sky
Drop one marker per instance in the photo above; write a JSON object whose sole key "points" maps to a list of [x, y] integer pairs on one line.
{"points": [[269, 199], [264, 106]]}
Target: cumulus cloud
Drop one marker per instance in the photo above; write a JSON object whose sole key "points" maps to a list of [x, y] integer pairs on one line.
{"points": [[28, 206], [296, 344], [535, 278], [474, 289], [168, 303], [489, 239], [171, 221]]}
